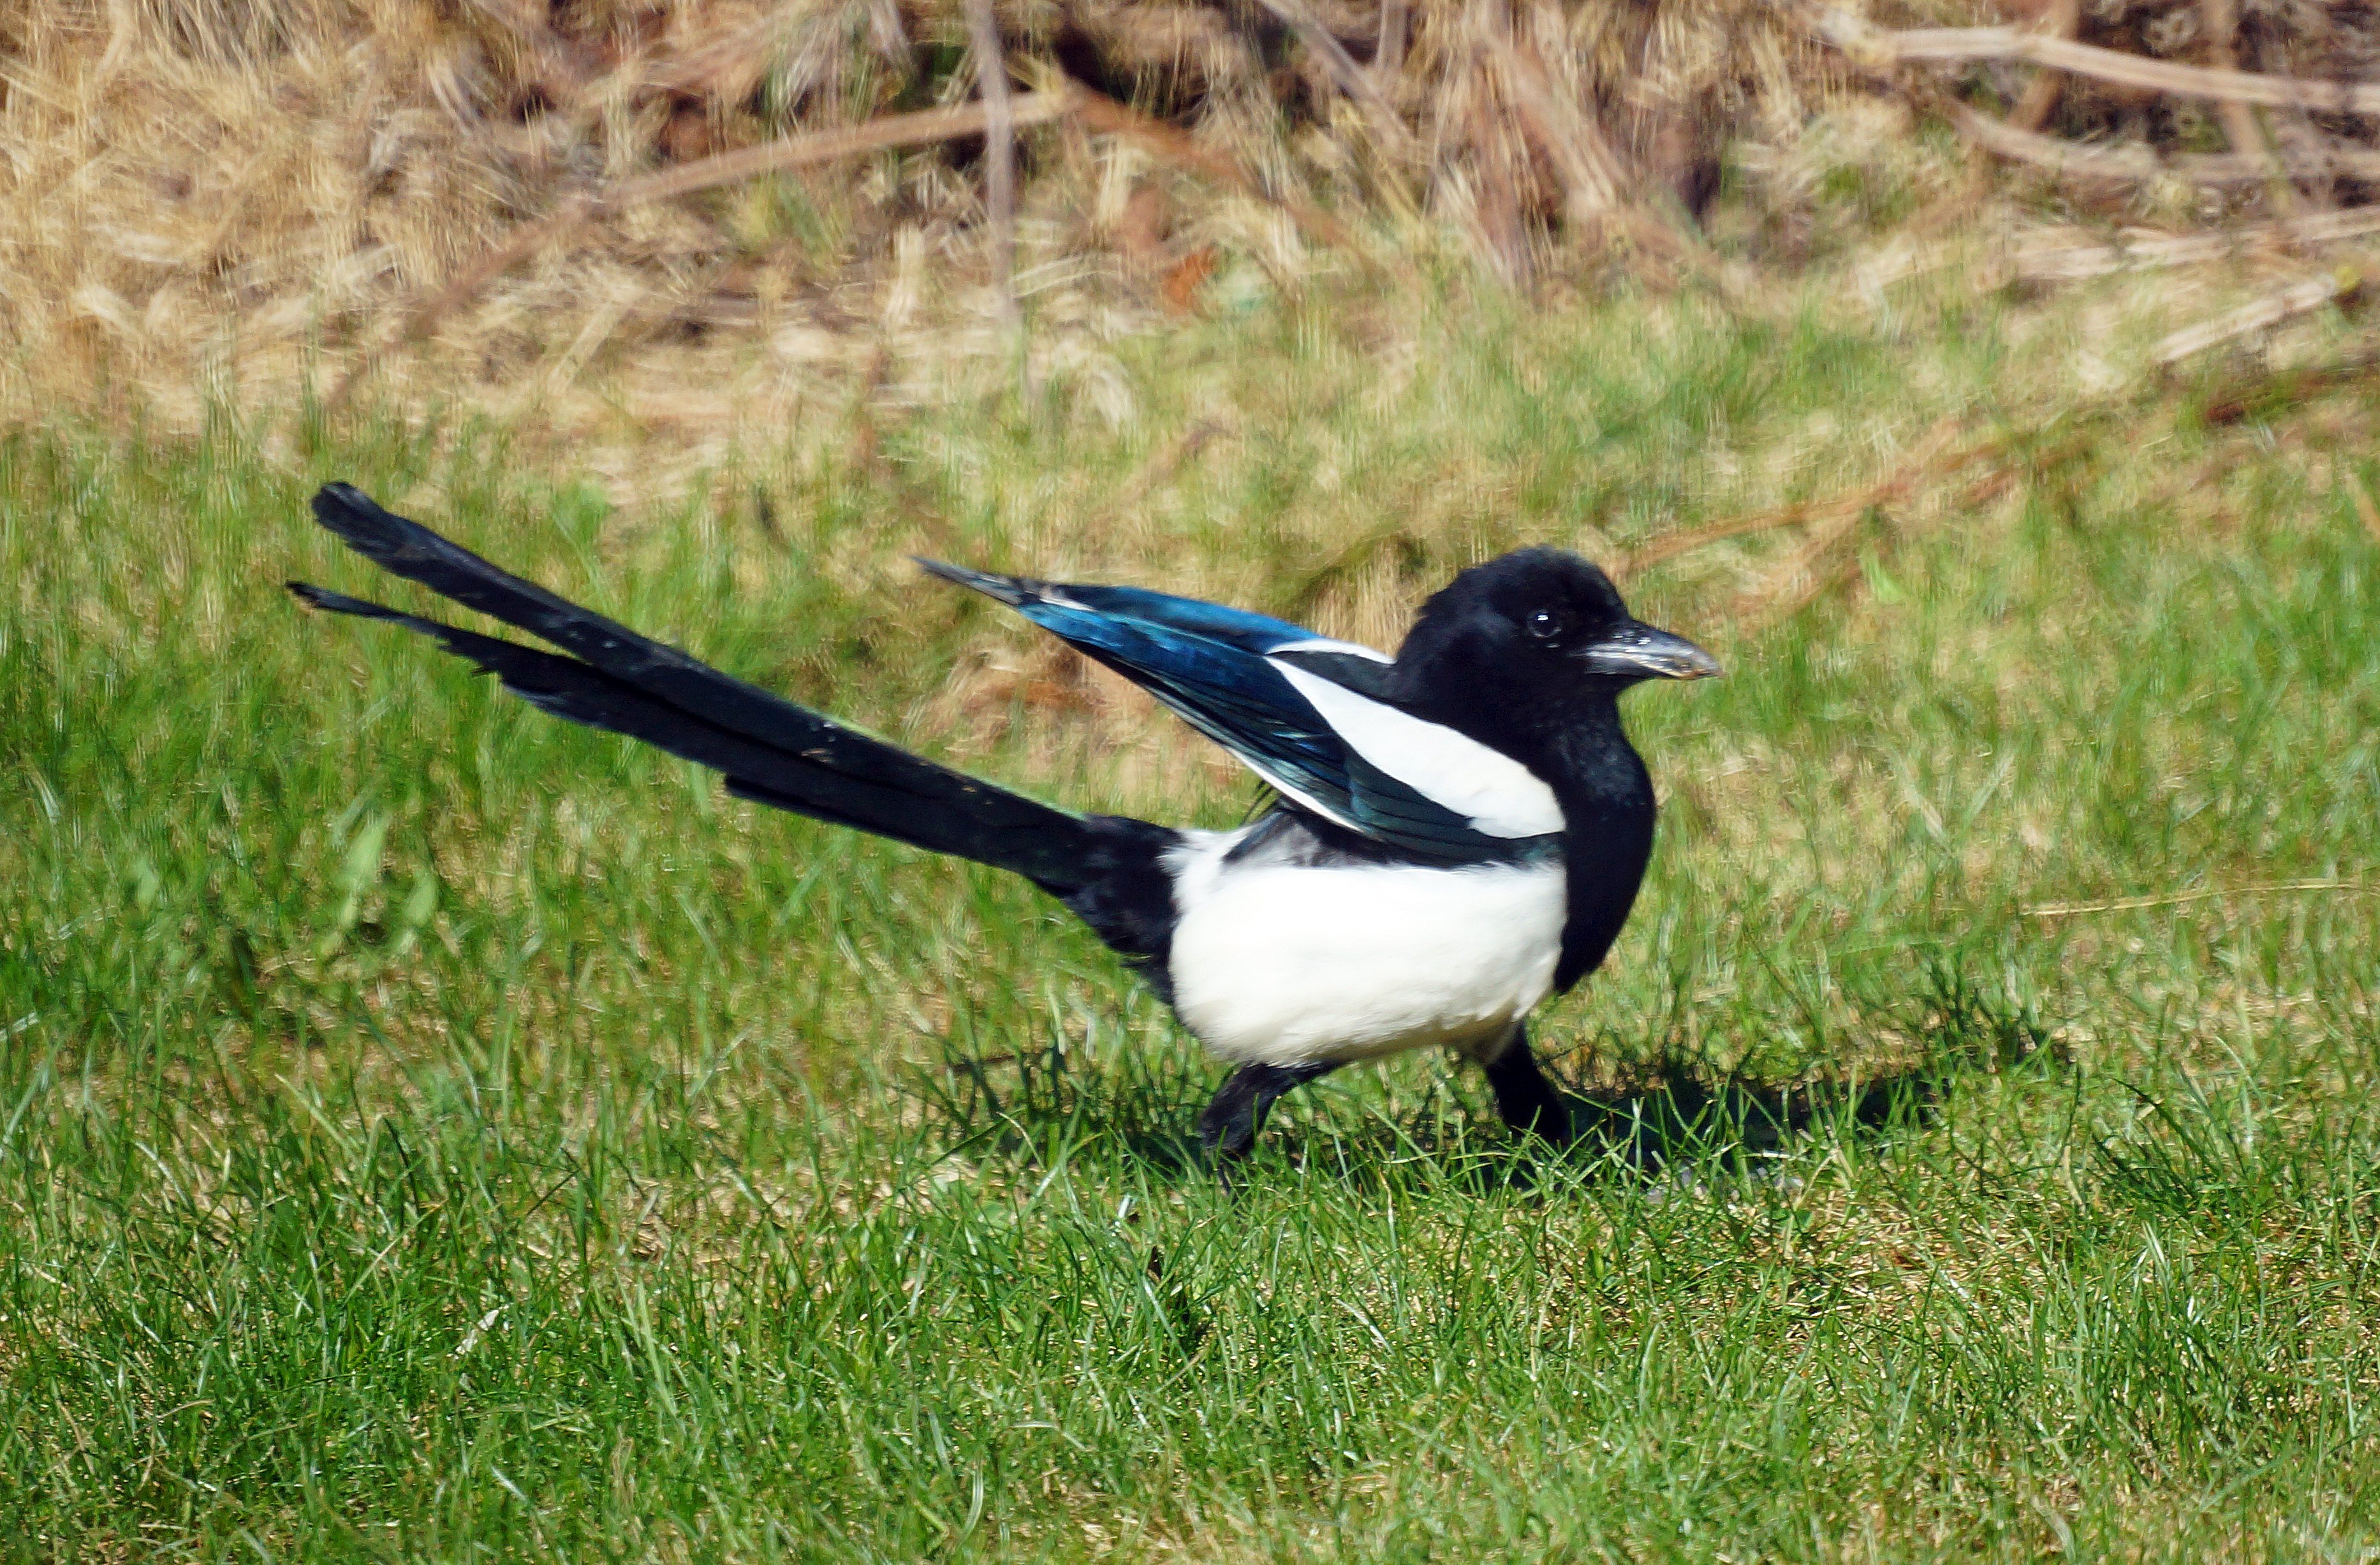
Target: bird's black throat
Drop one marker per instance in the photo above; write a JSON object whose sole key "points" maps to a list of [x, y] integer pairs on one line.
{"points": [[1608, 809]]}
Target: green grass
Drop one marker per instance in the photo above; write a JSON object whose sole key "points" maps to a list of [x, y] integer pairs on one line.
{"points": [[431, 1131]]}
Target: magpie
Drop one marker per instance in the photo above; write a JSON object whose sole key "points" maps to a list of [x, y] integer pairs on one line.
{"points": [[1458, 831]]}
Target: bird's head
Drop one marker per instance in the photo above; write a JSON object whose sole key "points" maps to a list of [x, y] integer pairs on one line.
{"points": [[1541, 635]]}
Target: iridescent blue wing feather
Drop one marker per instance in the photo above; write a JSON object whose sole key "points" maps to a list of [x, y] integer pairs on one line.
{"points": [[1236, 677], [1216, 621]]}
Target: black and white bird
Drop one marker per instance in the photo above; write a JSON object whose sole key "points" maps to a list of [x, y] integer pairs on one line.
{"points": [[1460, 830]]}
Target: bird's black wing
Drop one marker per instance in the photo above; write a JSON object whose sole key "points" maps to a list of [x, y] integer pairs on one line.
{"points": [[1307, 714]]}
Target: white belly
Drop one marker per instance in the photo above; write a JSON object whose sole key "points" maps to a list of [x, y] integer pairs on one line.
{"points": [[1288, 964]]}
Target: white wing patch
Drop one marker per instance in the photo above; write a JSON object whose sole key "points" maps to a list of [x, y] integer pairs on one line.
{"points": [[1325, 644], [1498, 795]]}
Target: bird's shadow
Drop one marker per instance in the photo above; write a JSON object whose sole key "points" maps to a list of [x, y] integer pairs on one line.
{"points": [[1683, 1119], [1034, 1111]]}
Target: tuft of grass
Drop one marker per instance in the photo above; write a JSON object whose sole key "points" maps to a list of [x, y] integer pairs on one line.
{"points": [[427, 1130]]}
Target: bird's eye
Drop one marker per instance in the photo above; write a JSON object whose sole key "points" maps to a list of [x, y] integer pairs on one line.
{"points": [[1544, 623]]}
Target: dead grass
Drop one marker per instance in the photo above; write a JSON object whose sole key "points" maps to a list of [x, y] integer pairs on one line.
{"points": [[207, 203], [207, 207]]}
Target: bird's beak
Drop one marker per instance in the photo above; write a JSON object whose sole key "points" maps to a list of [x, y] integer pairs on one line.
{"points": [[1638, 651]]}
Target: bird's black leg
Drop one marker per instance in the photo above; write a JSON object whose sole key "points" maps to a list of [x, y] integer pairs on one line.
{"points": [[1528, 1101], [1228, 1128]]}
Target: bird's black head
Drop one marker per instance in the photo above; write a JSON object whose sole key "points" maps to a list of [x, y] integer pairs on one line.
{"points": [[1534, 641]]}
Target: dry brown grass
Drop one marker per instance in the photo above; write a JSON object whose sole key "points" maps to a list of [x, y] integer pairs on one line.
{"points": [[206, 204], [207, 200]]}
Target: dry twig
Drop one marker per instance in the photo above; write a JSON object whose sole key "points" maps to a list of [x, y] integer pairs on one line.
{"points": [[1879, 49], [2256, 315], [1795, 581], [1103, 113], [1000, 154], [1594, 179], [2136, 163], [2221, 19], [1389, 58], [1590, 171], [2062, 263], [2175, 899], [2361, 498], [1496, 199], [1932, 460], [1346, 74], [2273, 390], [2062, 18]]}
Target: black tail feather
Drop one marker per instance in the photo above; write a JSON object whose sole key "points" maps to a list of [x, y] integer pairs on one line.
{"points": [[405, 548], [772, 752]]}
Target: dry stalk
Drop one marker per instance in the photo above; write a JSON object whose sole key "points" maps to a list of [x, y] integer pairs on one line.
{"points": [[2256, 315], [1671, 545], [1592, 177], [1159, 470], [2064, 262], [2221, 19], [1389, 59], [1933, 459], [1100, 113], [1000, 155], [563, 68], [1502, 230], [2176, 898], [2303, 149], [2032, 110], [2136, 163], [1796, 581], [2273, 390], [864, 437], [727, 66], [1879, 49], [2361, 497], [1347, 76], [815, 147], [2018, 144], [1595, 179], [387, 169]]}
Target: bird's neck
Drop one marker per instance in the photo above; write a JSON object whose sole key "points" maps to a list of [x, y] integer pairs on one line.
{"points": [[1595, 770], [1606, 803], [1607, 808]]}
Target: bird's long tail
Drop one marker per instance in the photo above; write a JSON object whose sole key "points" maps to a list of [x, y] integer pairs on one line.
{"points": [[771, 751]]}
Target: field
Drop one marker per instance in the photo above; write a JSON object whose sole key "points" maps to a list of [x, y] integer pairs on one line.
{"points": [[431, 1131]]}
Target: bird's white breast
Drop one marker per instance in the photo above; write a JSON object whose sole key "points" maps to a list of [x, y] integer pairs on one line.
{"points": [[1287, 963]]}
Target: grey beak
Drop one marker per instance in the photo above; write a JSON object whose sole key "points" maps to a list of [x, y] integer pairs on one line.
{"points": [[1638, 651]]}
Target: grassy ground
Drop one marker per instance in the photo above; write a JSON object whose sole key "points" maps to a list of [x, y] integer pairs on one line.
{"points": [[430, 1132]]}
